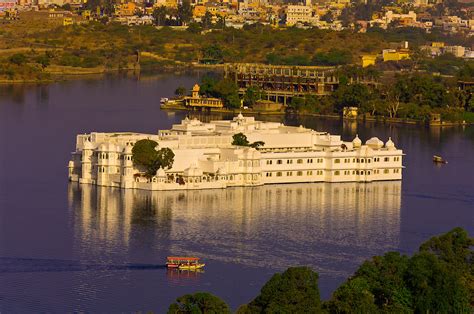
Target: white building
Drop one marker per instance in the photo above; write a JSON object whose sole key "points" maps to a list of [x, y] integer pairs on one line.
{"points": [[205, 157], [301, 14]]}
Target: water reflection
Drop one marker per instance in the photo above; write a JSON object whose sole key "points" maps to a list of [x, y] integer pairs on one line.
{"points": [[274, 226]]}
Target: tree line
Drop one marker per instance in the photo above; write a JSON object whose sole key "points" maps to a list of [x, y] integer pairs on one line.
{"points": [[439, 278], [404, 95]]}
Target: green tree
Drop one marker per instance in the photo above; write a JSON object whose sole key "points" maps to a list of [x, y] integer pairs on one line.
{"points": [[197, 303], [144, 154], [207, 20], [438, 279], [212, 54], [181, 91], [165, 158], [194, 28], [252, 95], [354, 95], [228, 91], [185, 12], [435, 287], [240, 139], [159, 15], [18, 59], [354, 296], [43, 60], [294, 291]]}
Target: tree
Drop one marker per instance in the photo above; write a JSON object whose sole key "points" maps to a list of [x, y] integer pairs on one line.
{"points": [[294, 291], [435, 287], [43, 60], [240, 139], [212, 54], [354, 296], [197, 303], [194, 28], [180, 91], [165, 158], [353, 95], [185, 12], [18, 59], [159, 15], [252, 95], [438, 279], [207, 20], [144, 154]]}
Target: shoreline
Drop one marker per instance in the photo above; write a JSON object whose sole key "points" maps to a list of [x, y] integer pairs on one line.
{"points": [[385, 120], [62, 75]]}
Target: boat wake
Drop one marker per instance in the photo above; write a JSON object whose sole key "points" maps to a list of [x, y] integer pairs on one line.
{"points": [[22, 265]]}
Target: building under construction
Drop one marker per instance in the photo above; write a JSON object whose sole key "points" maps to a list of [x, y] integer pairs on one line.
{"points": [[281, 82]]}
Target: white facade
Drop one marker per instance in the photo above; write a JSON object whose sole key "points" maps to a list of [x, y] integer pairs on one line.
{"points": [[300, 14], [205, 157]]}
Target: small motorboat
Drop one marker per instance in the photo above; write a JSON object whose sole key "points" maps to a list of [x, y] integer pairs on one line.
{"points": [[439, 160], [184, 263], [164, 100]]}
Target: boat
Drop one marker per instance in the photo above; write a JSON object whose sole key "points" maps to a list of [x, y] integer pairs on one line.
{"points": [[164, 100], [184, 263], [439, 159]]}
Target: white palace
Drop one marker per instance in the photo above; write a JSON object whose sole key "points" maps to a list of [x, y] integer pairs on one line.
{"points": [[205, 157]]}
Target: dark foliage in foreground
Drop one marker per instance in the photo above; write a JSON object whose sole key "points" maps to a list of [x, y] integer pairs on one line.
{"points": [[439, 278]]}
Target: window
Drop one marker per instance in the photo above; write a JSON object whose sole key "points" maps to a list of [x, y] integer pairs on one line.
{"points": [[362, 160], [279, 161], [396, 170], [278, 174], [362, 172], [319, 172], [289, 161], [268, 174], [386, 159], [386, 171], [299, 173], [354, 160], [289, 173], [300, 161], [368, 160], [269, 162], [396, 158], [336, 172], [309, 173], [337, 161], [320, 160], [310, 161]]}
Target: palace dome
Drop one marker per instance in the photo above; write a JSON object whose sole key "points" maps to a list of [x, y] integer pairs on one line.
{"points": [[356, 142], [374, 142], [390, 144]]}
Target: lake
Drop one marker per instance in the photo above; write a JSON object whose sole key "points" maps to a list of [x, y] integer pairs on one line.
{"points": [[71, 248]]}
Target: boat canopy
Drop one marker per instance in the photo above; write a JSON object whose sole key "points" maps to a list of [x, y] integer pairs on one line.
{"points": [[180, 258]]}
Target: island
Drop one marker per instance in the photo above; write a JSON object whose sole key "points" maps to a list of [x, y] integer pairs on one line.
{"points": [[229, 153]]}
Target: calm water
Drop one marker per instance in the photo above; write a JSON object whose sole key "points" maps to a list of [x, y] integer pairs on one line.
{"points": [[65, 247]]}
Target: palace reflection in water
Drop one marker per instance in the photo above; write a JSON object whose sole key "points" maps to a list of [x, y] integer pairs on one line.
{"points": [[273, 226]]}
